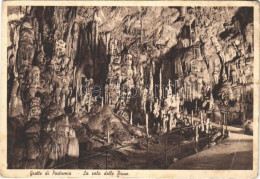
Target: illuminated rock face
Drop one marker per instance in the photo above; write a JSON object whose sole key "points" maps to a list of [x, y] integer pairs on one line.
{"points": [[15, 107], [68, 63]]}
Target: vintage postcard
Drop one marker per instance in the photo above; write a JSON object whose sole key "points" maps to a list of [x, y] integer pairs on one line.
{"points": [[130, 89]]}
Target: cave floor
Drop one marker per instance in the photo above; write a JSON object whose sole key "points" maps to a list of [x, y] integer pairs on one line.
{"points": [[136, 157], [236, 152]]}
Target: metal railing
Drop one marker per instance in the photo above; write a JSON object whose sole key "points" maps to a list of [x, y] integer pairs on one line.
{"points": [[164, 154]]}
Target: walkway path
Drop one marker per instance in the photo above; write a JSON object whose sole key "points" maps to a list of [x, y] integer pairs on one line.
{"points": [[236, 152]]}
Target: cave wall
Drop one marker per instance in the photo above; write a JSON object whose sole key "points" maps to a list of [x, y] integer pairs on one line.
{"points": [[56, 54]]}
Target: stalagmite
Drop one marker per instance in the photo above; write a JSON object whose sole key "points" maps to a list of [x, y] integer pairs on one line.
{"points": [[207, 126], [76, 100], [107, 42], [185, 91], [63, 101], [190, 95], [89, 108], [74, 75], [196, 106], [73, 145], [108, 137], [191, 117], [211, 100], [131, 118], [141, 82], [169, 88], [15, 105], [193, 94], [197, 134], [160, 87], [56, 152], [146, 124], [177, 102], [202, 126], [151, 85]]}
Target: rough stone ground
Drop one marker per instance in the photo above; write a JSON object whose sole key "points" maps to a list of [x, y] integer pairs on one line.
{"points": [[135, 156]]}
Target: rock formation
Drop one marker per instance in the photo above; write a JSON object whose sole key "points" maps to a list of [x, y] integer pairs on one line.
{"points": [[106, 70]]}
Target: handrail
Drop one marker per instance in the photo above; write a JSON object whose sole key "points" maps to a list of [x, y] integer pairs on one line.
{"points": [[100, 153], [176, 146], [178, 129], [222, 111], [114, 149], [185, 144]]}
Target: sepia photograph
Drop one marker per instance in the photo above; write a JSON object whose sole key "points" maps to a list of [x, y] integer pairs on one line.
{"points": [[137, 87]]}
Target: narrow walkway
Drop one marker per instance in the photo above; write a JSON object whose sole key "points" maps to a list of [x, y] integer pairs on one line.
{"points": [[236, 152]]}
